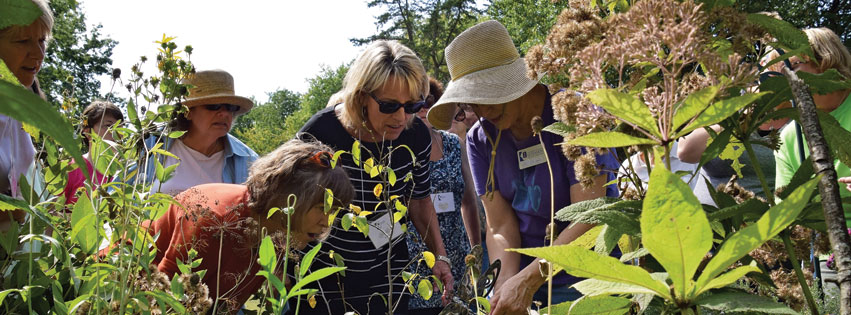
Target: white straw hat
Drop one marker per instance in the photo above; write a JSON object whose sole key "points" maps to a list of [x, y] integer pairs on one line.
{"points": [[214, 87], [486, 69]]}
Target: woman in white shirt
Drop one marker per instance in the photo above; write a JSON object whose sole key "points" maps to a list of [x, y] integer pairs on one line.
{"points": [[207, 152], [22, 49]]}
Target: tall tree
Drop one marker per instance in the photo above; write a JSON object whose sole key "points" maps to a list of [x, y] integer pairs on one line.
{"points": [[528, 21], [426, 27], [833, 14], [75, 56], [262, 128], [321, 88]]}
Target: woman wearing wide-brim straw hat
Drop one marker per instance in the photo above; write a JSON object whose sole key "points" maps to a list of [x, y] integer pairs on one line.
{"points": [[513, 180], [207, 152]]}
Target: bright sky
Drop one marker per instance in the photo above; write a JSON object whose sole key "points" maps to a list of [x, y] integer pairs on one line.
{"points": [[265, 45]]}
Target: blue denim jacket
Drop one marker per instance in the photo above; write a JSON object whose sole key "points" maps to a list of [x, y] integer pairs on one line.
{"points": [[238, 157]]}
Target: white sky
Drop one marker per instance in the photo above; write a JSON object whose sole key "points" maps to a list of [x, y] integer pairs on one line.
{"points": [[265, 45]]}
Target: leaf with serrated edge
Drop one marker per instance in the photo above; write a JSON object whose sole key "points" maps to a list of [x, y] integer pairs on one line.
{"points": [[749, 238], [727, 278], [742, 302], [584, 263], [600, 305], [693, 105], [560, 129], [719, 111], [592, 287], [608, 139], [626, 107], [674, 227]]}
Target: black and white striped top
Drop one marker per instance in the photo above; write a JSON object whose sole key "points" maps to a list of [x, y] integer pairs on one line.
{"points": [[366, 266]]}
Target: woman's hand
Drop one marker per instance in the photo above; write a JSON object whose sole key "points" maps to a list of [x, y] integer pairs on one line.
{"points": [[514, 296], [846, 181], [442, 271]]}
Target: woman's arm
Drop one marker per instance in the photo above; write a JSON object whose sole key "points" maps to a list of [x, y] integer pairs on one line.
{"points": [[690, 148], [469, 208]]}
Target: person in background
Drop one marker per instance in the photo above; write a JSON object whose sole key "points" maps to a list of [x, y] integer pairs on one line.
{"points": [[489, 75], [207, 144], [385, 87], [223, 222], [829, 53], [98, 118], [22, 49], [454, 201]]}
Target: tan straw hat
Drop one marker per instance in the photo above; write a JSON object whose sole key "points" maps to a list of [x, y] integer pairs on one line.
{"points": [[485, 68], [214, 87]]}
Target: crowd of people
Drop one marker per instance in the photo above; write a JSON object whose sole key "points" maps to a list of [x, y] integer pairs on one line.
{"points": [[467, 146]]}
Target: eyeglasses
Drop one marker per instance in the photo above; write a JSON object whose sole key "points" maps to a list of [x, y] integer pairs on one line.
{"points": [[392, 107], [215, 107], [461, 115]]}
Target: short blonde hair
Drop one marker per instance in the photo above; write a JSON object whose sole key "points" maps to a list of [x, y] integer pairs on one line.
{"points": [[45, 20], [300, 168], [374, 67], [829, 51]]}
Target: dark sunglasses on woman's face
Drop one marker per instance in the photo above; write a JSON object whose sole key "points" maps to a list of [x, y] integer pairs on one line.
{"points": [[461, 115], [392, 107], [228, 107]]}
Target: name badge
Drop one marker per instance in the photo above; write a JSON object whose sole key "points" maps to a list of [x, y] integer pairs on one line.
{"points": [[531, 156], [443, 202], [379, 231]]}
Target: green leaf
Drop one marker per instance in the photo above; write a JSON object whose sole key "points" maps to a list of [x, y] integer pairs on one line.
{"points": [[338, 259], [674, 227], [84, 231], [176, 287], [620, 214], [803, 174], [560, 129], [166, 301], [838, 139], [346, 220], [314, 276], [429, 259], [424, 289], [18, 12], [609, 305], [608, 139], [788, 36], [24, 106], [336, 158], [749, 238], [391, 176], [273, 279], [825, 83], [584, 263], [329, 200], [693, 104], [742, 302], [267, 258], [176, 134], [714, 149], [727, 278], [626, 107], [719, 111], [356, 152], [594, 287], [6, 292], [308, 259], [606, 240], [484, 304], [752, 206]]}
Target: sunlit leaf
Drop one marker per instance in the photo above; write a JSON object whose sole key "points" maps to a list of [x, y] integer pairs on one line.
{"points": [[424, 289], [429, 259], [268, 259], [626, 107], [608, 139]]}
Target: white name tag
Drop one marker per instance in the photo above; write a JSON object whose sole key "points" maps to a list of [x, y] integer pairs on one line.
{"points": [[531, 156], [379, 230], [443, 202]]}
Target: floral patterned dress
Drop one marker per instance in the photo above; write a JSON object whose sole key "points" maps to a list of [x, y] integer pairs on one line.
{"points": [[445, 178]]}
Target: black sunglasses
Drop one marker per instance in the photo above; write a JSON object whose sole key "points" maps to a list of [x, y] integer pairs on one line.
{"points": [[215, 107], [392, 107], [461, 115]]}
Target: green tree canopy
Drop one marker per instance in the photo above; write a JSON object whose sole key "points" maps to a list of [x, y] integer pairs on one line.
{"points": [[833, 14], [528, 21], [326, 83], [262, 128], [75, 56]]}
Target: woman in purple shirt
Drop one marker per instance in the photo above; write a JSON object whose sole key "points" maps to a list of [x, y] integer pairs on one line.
{"points": [[514, 179]]}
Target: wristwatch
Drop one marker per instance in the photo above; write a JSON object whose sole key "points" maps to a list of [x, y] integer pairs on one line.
{"points": [[444, 259]]}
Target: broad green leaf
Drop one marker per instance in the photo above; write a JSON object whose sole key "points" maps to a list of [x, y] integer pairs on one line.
{"points": [[727, 278], [391, 176], [620, 214], [429, 258], [484, 304], [329, 200], [732, 152], [609, 305], [83, 222], [803, 174], [719, 111], [308, 259], [176, 287], [18, 12], [674, 227], [6, 292], [273, 279], [165, 301], [9, 203], [268, 259], [742, 302], [24, 106], [714, 149], [314, 276], [693, 105], [608, 139], [749, 206], [626, 107], [560, 308], [377, 190], [593, 287], [788, 36], [607, 240], [749, 238], [424, 289], [584, 263], [346, 220], [825, 83], [838, 139], [560, 129]]}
